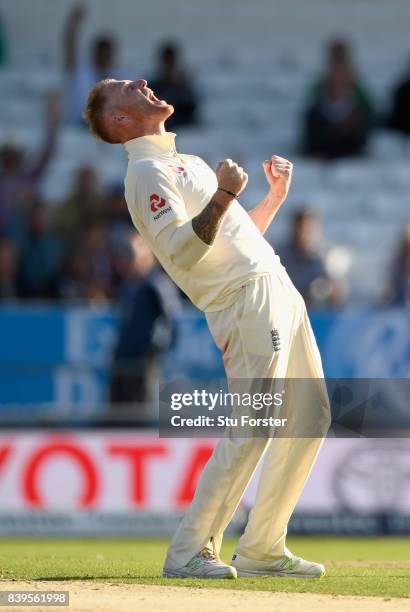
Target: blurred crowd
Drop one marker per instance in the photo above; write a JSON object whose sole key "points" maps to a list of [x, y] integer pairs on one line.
{"points": [[74, 249], [68, 251], [340, 112], [170, 81]]}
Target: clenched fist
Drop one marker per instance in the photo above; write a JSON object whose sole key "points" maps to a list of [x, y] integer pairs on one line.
{"points": [[278, 172], [231, 176]]}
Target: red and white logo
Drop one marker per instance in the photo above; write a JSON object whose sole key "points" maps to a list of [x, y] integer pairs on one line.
{"points": [[177, 169], [156, 202]]}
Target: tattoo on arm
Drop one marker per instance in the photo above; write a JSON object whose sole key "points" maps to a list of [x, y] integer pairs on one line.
{"points": [[206, 224]]}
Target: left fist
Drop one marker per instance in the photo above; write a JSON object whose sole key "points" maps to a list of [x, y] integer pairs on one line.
{"points": [[278, 172]]}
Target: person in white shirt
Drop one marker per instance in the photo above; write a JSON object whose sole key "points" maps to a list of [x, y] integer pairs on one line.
{"points": [[215, 251]]}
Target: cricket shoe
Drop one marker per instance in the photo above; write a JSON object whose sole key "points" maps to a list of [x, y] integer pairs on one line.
{"points": [[286, 566], [206, 564]]}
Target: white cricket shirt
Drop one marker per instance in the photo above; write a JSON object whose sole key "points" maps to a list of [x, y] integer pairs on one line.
{"points": [[163, 186]]}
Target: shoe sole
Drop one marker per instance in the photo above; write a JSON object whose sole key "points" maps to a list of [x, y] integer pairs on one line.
{"points": [[171, 574], [261, 574]]}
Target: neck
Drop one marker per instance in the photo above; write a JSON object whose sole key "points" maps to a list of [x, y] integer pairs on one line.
{"points": [[154, 129]]}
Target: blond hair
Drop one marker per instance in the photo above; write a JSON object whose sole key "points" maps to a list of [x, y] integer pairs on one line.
{"points": [[95, 111]]}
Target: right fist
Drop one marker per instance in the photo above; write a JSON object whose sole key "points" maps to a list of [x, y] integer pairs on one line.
{"points": [[231, 176]]}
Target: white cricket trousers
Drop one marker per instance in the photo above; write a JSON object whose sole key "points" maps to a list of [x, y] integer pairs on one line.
{"points": [[243, 334]]}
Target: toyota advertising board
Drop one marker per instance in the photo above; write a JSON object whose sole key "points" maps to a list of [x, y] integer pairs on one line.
{"points": [[120, 473]]}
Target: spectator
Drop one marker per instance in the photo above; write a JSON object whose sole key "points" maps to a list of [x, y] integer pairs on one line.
{"points": [[8, 269], [148, 302], [82, 75], [19, 178], [173, 85], [77, 281], [118, 217], [88, 271], [399, 118], [304, 260], [40, 257], [84, 205], [399, 290], [339, 114]]}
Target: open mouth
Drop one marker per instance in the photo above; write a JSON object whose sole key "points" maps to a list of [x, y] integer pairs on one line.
{"points": [[149, 94]]}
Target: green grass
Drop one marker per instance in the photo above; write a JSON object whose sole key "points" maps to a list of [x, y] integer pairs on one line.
{"points": [[367, 566]]}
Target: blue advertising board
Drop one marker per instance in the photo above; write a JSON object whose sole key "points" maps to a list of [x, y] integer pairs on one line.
{"points": [[60, 356]]}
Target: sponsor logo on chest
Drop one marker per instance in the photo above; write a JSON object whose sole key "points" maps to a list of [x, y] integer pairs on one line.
{"points": [[156, 202]]}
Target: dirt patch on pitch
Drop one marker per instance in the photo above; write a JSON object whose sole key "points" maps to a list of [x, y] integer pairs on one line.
{"points": [[107, 597]]}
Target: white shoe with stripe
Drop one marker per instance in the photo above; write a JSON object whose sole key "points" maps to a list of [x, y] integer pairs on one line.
{"points": [[285, 567], [206, 564]]}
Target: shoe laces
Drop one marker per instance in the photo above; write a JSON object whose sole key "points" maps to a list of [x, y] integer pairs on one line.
{"points": [[209, 554]]}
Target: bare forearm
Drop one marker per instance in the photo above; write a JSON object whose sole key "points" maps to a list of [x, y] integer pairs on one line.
{"points": [[70, 38], [46, 152], [264, 212], [278, 172], [208, 222], [70, 48]]}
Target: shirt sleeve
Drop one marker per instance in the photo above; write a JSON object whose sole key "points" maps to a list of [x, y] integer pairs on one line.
{"points": [[158, 201], [184, 248]]}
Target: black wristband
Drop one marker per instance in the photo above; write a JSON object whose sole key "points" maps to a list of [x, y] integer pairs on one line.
{"points": [[226, 191]]}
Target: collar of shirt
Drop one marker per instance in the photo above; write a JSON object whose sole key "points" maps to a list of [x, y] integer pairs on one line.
{"points": [[152, 145]]}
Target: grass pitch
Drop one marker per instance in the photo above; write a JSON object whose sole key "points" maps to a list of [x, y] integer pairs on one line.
{"points": [[365, 567]]}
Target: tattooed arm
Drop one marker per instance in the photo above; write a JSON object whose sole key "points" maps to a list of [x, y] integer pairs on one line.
{"points": [[207, 223], [188, 243]]}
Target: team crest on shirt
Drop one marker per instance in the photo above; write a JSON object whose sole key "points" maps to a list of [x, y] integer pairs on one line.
{"points": [[274, 333], [177, 169]]}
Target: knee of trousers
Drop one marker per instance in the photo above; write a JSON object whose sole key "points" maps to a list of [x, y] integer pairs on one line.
{"points": [[233, 452]]}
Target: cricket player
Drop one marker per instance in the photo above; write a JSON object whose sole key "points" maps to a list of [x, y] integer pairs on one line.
{"points": [[215, 251]]}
